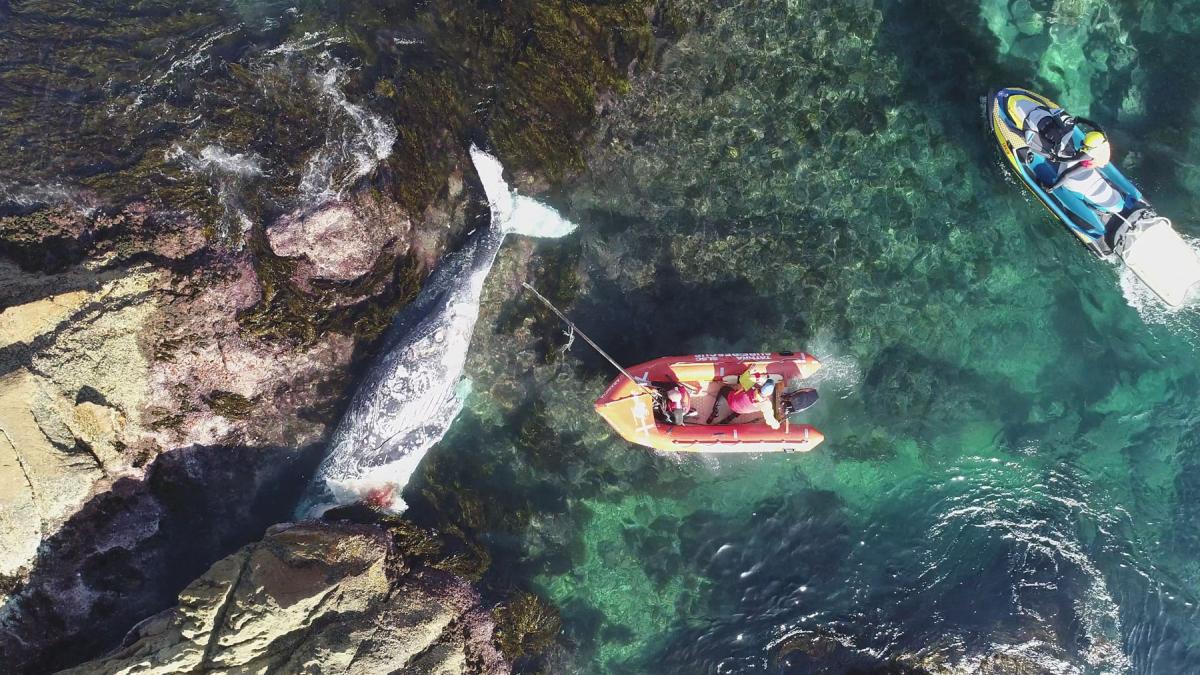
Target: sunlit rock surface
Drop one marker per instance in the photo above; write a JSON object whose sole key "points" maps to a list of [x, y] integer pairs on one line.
{"points": [[340, 241], [72, 387], [315, 598]]}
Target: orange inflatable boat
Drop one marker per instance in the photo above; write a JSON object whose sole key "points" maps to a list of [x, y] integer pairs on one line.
{"points": [[632, 409]]}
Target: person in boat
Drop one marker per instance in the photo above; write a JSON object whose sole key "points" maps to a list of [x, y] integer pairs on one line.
{"points": [[677, 404], [748, 397], [1094, 153]]}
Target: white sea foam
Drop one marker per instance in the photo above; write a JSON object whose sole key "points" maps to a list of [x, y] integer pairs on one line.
{"points": [[229, 173], [310, 41], [356, 141], [840, 374], [215, 160], [1183, 321], [184, 60], [1145, 301], [195, 55], [37, 195]]}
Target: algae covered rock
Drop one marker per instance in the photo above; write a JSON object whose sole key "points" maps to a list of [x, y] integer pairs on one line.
{"points": [[340, 241], [314, 598]]}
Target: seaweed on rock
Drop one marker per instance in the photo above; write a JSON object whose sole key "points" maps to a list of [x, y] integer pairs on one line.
{"points": [[526, 626]]}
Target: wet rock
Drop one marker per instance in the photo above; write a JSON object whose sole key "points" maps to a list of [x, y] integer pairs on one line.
{"points": [[204, 360], [315, 598], [127, 552], [340, 241], [105, 367]]}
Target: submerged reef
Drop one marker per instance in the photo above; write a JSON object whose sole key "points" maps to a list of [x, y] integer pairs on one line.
{"points": [[816, 175]]}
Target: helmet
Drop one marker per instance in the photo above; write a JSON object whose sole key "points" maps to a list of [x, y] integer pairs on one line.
{"points": [[768, 387], [1094, 139]]}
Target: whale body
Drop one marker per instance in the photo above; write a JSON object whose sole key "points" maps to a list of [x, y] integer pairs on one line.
{"points": [[412, 393]]}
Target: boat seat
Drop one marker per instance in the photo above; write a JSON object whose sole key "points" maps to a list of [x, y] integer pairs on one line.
{"points": [[1094, 188]]}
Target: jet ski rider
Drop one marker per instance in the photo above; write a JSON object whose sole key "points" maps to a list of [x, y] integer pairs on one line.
{"points": [[1095, 153]]}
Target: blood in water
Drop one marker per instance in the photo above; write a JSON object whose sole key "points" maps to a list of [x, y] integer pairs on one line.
{"points": [[380, 497]]}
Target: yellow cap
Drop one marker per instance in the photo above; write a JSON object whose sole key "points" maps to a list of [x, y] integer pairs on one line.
{"points": [[1094, 139]]}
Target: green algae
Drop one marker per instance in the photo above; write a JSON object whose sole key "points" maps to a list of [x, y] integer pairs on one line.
{"points": [[563, 68], [229, 404], [293, 314], [168, 422], [440, 550]]}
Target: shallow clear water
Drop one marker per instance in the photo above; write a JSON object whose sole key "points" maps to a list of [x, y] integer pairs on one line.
{"points": [[1011, 439]]}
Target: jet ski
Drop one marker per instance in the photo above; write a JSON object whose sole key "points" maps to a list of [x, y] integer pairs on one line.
{"points": [[632, 403], [1097, 203]]}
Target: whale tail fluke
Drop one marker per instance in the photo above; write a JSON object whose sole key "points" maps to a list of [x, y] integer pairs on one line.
{"points": [[512, 212]]}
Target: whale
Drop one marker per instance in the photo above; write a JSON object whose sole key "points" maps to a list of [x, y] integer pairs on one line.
{"points": [[415, 388]]}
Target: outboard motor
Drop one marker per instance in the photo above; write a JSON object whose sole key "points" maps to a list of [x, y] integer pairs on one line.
{"points": [[798, 401]]}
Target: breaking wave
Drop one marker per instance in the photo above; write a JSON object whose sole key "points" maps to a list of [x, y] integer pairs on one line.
{"points": [[229, 173], [357, 140]]}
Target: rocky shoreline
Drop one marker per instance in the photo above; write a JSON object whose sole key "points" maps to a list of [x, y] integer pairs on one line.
{"points": [[167, 379], [316, 597]]}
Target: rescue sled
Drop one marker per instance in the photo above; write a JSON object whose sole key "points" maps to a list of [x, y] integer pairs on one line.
{"points": [[632, 407], [1100, 206]]}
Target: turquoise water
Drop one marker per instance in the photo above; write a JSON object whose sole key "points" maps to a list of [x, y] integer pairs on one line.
{"points": [[1012, 428], [1009, 478]]}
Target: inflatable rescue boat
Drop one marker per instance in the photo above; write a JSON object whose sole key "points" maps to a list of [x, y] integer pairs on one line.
{"points": [[1102, 207], [634, 406]]}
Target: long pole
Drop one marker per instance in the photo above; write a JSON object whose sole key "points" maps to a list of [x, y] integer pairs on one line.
{"points": [[588, 339]]}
